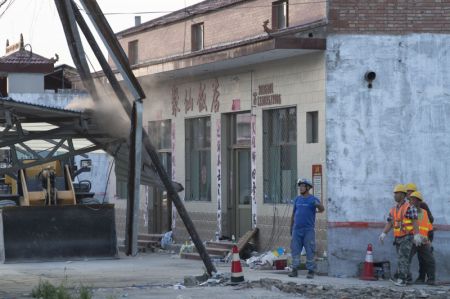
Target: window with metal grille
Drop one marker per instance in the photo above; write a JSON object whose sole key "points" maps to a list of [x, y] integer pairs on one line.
{"points": [[133, 56], [280, 155], [160, 135], [279, 15], [198, 159], [312, 127], [197, 37]]}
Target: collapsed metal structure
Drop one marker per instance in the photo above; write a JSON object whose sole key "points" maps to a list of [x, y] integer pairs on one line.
{"points": [[144, 161], [67, 9]]}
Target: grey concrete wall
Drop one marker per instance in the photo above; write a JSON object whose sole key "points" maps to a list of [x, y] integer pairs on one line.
{"points": [[396, 132], [25, 83]]}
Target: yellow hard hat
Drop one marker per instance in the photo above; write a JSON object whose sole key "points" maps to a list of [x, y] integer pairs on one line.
{"points": [[400, 188], [417, 195], [411, 187]]}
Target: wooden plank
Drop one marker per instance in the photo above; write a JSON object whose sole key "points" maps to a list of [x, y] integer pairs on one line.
{"points": [[246, 238]]}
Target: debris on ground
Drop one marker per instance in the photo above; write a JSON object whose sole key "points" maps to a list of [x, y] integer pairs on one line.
{"points": [[179, 286], [187, 248], [328, 291], [166, 240], [269, 260]]}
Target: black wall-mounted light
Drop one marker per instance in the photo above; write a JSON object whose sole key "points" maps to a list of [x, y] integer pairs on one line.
{"points": [[370, 77]]}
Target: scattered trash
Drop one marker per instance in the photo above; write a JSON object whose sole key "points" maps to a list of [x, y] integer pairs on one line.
{"points": [[187, 248], [178, 286], [166, 240], [190, 281], [216, 279], [268, 260]]}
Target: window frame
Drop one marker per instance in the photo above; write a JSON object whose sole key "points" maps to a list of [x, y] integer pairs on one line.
{"points": [[203, 151], [312, 127], [283, 146], [133, 53], [194, 36], [275, 14]]}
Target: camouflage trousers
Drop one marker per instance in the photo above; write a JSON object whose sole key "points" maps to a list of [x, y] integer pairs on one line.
{"points": [[404, 246]]}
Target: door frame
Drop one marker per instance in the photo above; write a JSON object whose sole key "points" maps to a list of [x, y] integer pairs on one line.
{"points": [[232, 149]]}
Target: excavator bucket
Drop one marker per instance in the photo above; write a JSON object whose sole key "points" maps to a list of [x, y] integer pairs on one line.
{"points": [[51, 233]]}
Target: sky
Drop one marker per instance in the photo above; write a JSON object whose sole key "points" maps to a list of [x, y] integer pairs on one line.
{"points": [[39, 23]]}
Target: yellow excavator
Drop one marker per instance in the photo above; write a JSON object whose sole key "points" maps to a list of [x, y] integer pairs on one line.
{"points": [[44, 215]]}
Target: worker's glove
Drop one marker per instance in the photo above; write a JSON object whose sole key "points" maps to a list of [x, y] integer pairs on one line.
{"points": [[381, 237], [418, 240]]}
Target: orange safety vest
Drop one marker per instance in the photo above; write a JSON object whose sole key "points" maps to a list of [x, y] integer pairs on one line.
{"points": [[424, 223], [402, 226]]}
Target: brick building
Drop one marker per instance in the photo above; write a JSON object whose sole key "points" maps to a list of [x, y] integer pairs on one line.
{"points": [[225, 92], [244, 97]]}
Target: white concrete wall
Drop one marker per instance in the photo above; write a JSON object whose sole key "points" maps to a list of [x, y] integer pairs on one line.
{"points": [[396, 132], [25, 83]]}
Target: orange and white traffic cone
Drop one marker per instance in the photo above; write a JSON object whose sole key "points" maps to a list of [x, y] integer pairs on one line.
{"points": [[236, 268], [367, 273]]}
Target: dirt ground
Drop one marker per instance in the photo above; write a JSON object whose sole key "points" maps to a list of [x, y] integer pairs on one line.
{"points": [[158, 275]]}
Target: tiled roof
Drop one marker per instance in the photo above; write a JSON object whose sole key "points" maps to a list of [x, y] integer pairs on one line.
{"points": [[26, 61], [25, 57], [196, 9]]}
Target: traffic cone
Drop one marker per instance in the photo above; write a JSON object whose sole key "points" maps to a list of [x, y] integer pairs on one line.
{"points": [[236, 268], [367, 273]]}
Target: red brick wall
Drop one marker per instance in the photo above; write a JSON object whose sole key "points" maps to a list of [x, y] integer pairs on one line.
{"points": [[389, 16], [227, 25]]}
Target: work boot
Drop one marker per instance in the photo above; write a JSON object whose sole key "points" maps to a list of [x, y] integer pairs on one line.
{"points": [[400, 283], [420, 280], [310, 274], [431, 282], [409, 279], [294, 273]]}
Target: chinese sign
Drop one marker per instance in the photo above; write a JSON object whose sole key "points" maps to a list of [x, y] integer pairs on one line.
{"points": [[204, 93], [266, 96]]}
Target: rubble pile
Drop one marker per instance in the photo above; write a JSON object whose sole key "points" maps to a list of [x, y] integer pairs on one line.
{"points": [[327, 291]]}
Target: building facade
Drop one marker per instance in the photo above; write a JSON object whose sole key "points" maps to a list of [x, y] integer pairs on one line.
{"points": [[395, 132], [236, 107], [244, 97]]}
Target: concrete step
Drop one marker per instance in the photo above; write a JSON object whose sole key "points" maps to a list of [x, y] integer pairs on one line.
{"points": [[152, 237], [220, 244], [121, 248], [196, 256], [217, 251], [141, 243], [148, 243]]}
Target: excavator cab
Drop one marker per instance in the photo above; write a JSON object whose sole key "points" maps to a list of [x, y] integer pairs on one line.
{"points": [[46, 185]]}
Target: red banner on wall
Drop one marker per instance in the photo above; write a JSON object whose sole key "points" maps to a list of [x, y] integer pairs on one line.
{"points": [[317, 181]]}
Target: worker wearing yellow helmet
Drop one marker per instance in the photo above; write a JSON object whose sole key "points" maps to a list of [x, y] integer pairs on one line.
{"points": [[403, 219], [410, 188], [427, 264]]}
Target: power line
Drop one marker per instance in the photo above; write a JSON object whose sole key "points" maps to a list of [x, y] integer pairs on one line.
{"points": [[188, 12], [7, 7]]}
